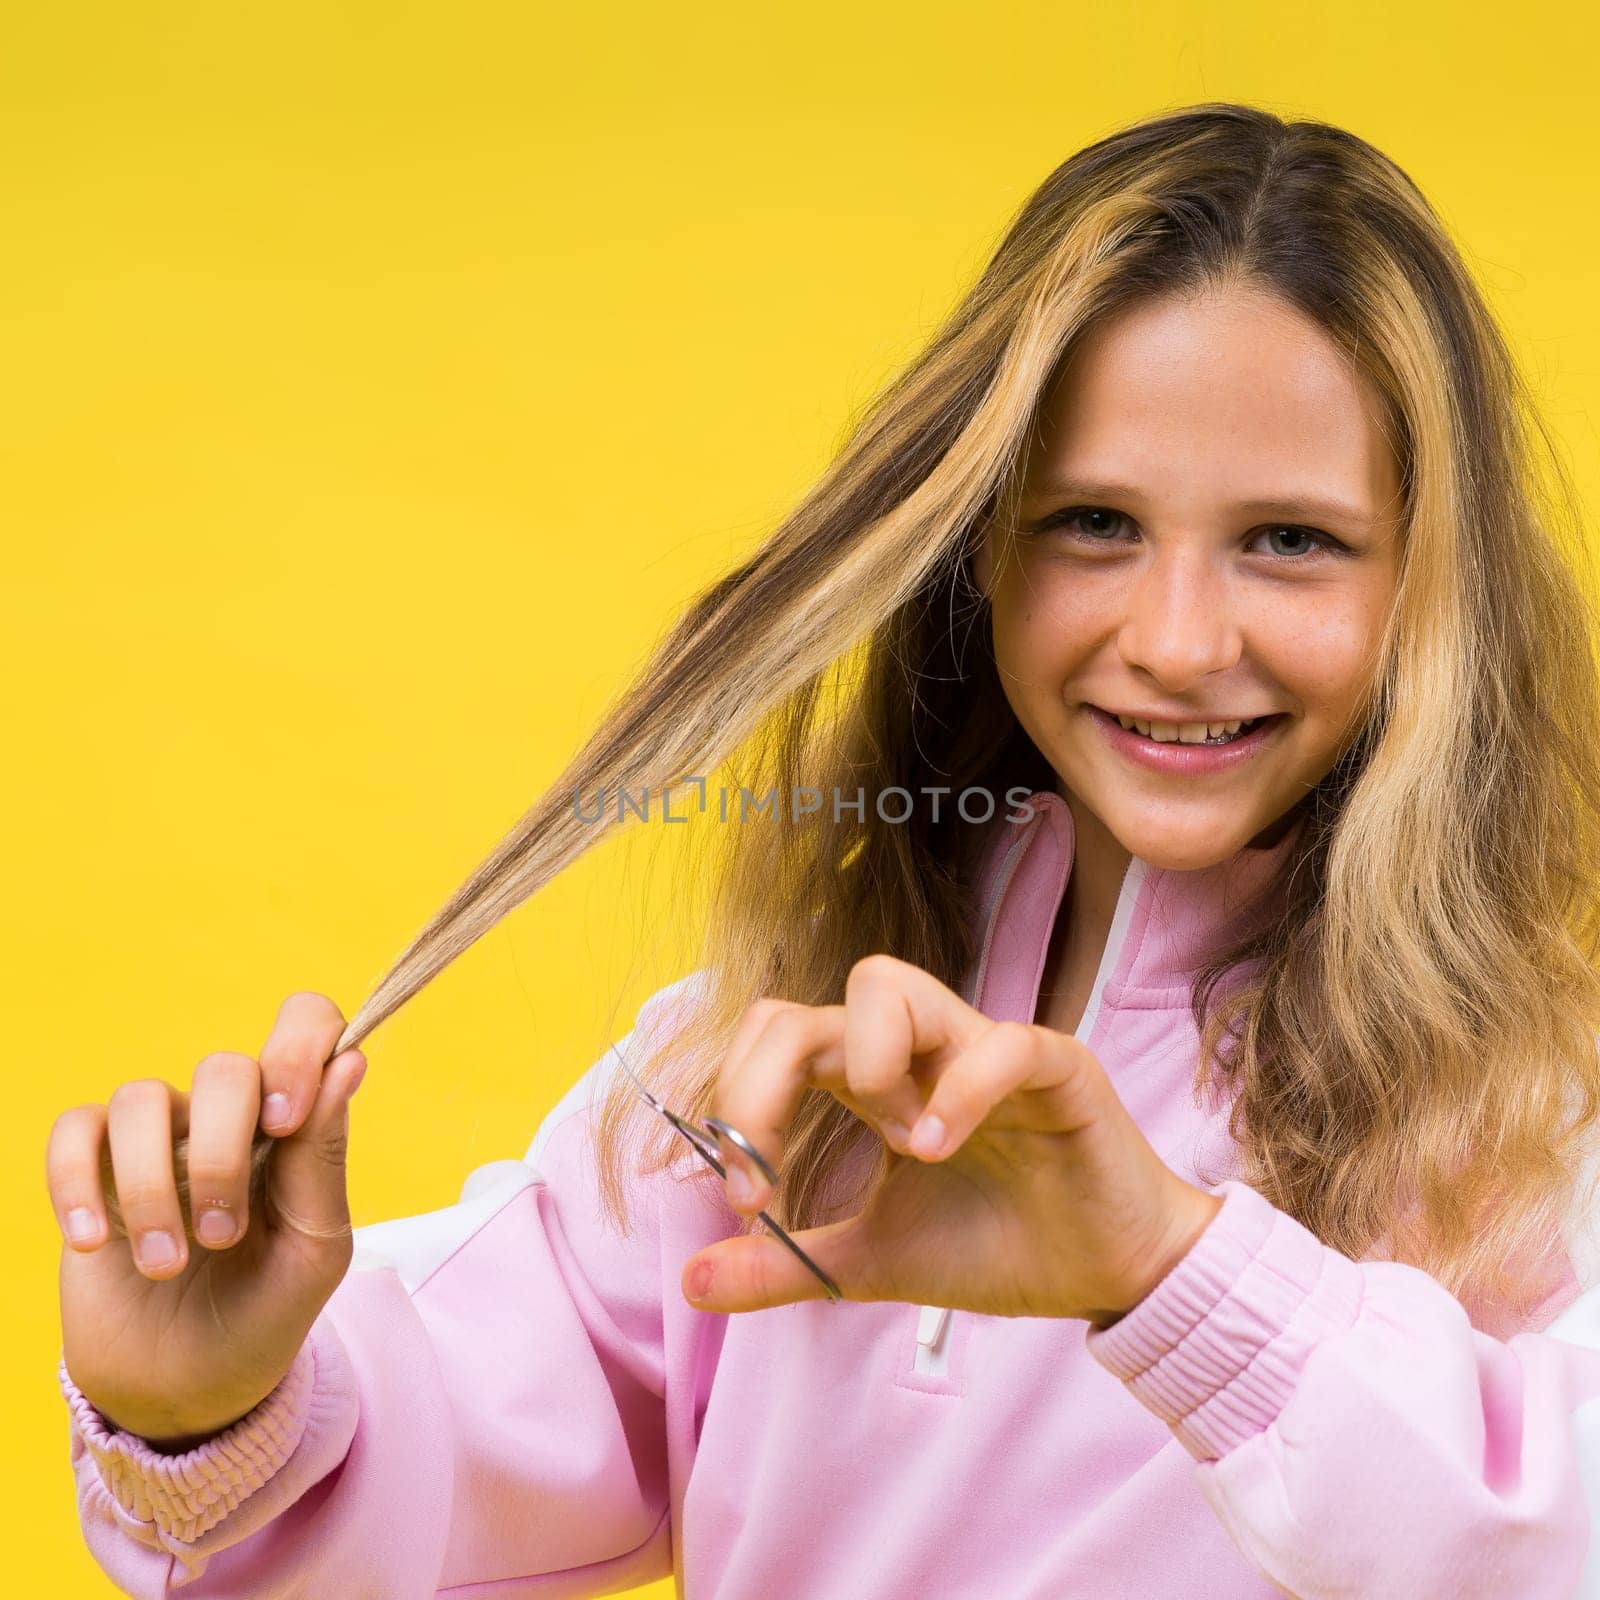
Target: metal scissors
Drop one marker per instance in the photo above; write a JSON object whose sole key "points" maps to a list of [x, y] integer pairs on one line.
{"points": [[707, 1150]]}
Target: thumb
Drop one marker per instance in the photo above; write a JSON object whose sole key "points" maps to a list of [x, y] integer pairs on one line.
{"points": [[308, 1165], [754, 1271]]}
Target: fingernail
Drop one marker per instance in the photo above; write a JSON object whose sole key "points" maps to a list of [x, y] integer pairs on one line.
{"points": [[214, 1227], [927, 1138], [82, 1224], [896, 1133], [740, 1189], [275, 1112], [700, 1276], [356, 1077], [158, 1249]]}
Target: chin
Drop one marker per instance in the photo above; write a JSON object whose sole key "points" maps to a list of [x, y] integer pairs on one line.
{"points": [[1196, 860], [1187, 849]]}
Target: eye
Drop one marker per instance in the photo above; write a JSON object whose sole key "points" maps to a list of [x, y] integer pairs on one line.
{"points": [[1302, 540], [1101, 525], [1092, 524]]}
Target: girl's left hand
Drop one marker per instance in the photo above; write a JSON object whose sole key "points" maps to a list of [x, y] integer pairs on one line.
{"points": [[1043, 1199]]}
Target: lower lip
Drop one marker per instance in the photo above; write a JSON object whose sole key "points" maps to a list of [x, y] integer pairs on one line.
{"points": [[1183, 758]]}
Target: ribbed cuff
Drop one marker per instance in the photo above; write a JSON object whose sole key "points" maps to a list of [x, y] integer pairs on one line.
{"points": [[1216, 1348], [185, 1495]]}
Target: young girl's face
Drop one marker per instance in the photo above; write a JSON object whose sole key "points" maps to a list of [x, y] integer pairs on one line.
{"points": [[1209, 532]]}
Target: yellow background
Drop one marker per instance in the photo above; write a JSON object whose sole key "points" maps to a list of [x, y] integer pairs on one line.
{"points": [[379, 378]]}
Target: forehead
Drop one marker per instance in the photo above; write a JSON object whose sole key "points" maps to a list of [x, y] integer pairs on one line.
{"points": [[1229, 392]]}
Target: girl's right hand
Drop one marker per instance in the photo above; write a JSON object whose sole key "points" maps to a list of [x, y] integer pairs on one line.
{"points": [[181, 1339]]}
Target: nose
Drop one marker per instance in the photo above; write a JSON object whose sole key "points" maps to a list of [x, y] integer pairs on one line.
{"points": [[1181, 622]]}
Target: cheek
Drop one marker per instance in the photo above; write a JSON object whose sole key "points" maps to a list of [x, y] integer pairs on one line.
{"points": [[1043, 625], [1323, 653]]}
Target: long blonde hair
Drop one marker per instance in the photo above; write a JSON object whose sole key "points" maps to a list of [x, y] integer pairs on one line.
{"points": [[1415, 1060]]}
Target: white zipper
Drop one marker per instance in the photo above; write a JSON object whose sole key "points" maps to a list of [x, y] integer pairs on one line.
{"points": [[933, 1322], [1127, 895]]}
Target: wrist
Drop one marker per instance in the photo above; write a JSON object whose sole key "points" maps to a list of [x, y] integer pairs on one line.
{"points": [[1192, 1212], [177, 1445], [170, 1434], [163, 1437]]}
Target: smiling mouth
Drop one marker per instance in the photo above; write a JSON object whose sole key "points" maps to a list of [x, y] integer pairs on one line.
{"points": [[1217, 733]]}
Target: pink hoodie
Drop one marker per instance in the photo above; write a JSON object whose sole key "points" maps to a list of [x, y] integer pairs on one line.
{"points": [[508, 1398]]}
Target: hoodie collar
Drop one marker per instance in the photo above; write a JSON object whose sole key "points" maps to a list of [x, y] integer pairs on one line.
{"points": [[1165, 924]]}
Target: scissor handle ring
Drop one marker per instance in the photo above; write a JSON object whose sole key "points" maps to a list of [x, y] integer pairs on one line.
{"points": [[733, 1136]]}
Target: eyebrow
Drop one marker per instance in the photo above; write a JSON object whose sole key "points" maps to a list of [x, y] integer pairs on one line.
{"points": [[1289, 507]]}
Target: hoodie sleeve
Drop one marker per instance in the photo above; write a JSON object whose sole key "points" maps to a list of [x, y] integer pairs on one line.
{"points": [[1354, 1432], [480, 1401]]}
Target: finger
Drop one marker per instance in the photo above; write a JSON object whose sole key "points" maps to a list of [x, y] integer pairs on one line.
{"points": [[897, 1017], [790, 1048], [308, 1166], [303, 1036], [753, 1272], [139, 1124], [223, 1108], [755, 1018], [72, 1170], [1051, 1076]]}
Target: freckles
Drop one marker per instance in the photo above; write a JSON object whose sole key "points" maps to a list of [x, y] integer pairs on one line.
{"points": [[1328, 658], [1346, 628]]}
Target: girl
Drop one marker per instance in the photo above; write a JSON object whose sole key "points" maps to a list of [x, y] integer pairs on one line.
{"points": [[1153, 981]]}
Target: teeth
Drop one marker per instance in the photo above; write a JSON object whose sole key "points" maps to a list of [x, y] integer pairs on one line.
{"points": [[1183, 732]]}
